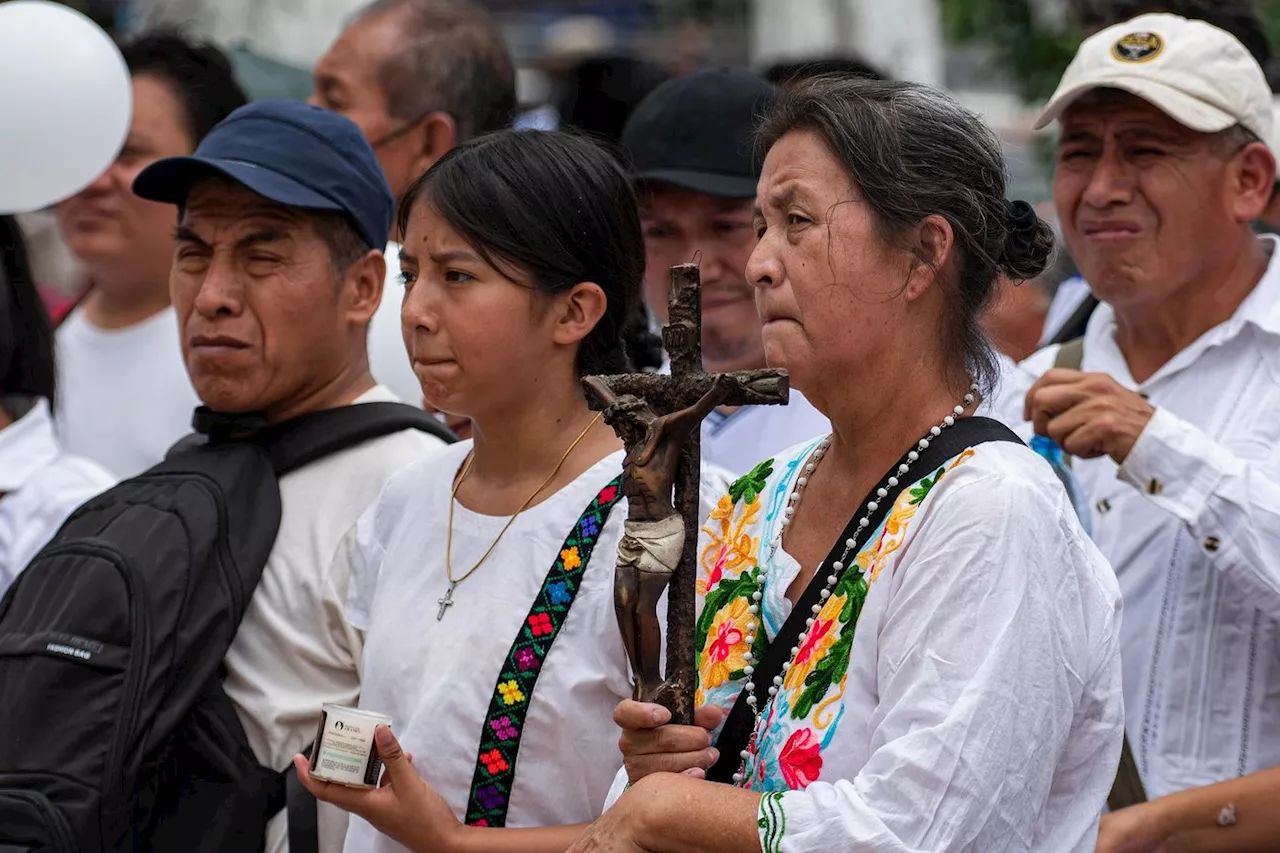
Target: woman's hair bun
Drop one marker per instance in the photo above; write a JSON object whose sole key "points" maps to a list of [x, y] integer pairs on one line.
{"points": [[1028, 243]]}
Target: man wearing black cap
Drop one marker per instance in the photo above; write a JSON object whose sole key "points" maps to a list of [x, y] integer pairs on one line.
{"points": [[277, 270], [692, 144]]}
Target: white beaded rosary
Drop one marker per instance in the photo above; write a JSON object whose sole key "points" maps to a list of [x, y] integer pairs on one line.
{"points": [[837, 567]]}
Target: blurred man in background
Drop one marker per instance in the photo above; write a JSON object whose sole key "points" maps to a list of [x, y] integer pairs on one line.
{"points": [[417, 77], [124, 396], [1169, 403], [691, 142], [1015, 317], [1074, 302]]}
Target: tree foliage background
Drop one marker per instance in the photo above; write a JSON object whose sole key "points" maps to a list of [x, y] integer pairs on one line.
{"points": [[1033, 40]]}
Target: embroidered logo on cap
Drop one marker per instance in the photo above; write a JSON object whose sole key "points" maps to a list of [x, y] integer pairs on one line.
{"points": [[1138, 47]]}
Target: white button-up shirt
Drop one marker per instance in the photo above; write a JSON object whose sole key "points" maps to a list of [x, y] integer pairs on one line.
{"points": [[1191, 523], [40, 486]]}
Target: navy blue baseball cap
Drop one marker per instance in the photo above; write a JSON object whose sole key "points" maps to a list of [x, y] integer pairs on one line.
{"points": [[288, 152]]}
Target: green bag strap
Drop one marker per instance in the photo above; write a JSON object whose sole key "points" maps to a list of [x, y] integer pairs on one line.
{"points": [[1070, 355], [1128, 789]]}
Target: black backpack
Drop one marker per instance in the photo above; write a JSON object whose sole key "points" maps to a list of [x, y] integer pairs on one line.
{"points": [[115, 732]]}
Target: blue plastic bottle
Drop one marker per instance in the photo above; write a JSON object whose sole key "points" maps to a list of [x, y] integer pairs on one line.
{"points": [[1052, 453]]}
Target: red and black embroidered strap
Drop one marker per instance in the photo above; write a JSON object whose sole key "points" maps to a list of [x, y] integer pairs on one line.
{"points": [[504, 724]]}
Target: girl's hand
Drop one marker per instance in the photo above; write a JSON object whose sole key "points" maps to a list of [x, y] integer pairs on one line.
{"points": [[403, 806]]}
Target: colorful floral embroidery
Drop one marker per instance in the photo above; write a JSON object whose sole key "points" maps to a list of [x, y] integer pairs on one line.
{"points": [[821, 637], [558, 592], [526, 659], [800, 720], [749, 487], [731, 548], [510, 693], [493, 761], [726, 646], [504, 728], [500, 735], [801, 759]]}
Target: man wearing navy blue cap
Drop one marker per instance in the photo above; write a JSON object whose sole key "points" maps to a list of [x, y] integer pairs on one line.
{"points": [[277, 271]]}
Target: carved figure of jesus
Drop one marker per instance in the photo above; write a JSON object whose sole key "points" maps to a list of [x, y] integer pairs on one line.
{"points": [[654, 532]]}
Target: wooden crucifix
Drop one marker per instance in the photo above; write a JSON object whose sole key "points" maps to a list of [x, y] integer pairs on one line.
{"points": [[658, 419]]}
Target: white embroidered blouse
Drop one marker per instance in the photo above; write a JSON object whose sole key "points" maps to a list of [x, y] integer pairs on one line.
{"points": [[460, 688], [961, 691]]}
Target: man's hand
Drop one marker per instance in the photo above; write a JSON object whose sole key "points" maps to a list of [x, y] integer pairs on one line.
{"points": [[650, 746], [403, 806], [1087, 414]]}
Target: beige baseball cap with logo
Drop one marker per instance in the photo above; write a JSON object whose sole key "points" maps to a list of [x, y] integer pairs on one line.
{"points": [[1199, 75]]}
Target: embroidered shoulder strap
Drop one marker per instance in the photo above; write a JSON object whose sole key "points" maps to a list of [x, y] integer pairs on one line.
{"points": [[504, 724]]}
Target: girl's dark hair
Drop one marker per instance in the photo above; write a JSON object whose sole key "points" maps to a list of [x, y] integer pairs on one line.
{"points": [[26, 335], [913, 152], [558, 207]]}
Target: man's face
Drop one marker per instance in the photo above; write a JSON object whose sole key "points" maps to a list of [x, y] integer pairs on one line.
{"points": [[264, 324], [117, 234], [681, 225], [1146, 204], [346, 81]]}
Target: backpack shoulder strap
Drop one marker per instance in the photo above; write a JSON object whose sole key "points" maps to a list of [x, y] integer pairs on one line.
{"points": [[300, 806], [1070, 354], [303, 440], [1076, 324]]}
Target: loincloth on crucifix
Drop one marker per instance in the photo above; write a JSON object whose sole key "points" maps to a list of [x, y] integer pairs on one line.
{"points": [[652, 547]]}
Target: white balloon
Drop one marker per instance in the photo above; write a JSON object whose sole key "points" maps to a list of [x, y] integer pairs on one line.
{"points": [[65, 103]]}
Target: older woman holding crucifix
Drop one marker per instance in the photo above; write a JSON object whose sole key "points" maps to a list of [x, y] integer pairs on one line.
{"points": [[906, 642]]}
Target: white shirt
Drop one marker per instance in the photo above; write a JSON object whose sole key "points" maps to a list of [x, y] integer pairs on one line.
{"points": [[388, 357], [436, 678], [978, 708], [124, 396], [41, 485], [294, 651], [751, 434], [1191, 523]]}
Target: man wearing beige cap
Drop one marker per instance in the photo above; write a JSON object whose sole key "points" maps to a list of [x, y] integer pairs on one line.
{"points": [[1170, 403]]}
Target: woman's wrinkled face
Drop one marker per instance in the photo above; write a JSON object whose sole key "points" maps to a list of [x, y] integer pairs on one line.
{"points": [[825, 280]]}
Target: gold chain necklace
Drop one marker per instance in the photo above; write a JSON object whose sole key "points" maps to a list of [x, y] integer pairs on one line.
{"points": [[447, 602]]}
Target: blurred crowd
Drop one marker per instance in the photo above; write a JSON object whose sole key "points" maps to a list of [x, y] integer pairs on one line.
{"points": [[1143, 355]]}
